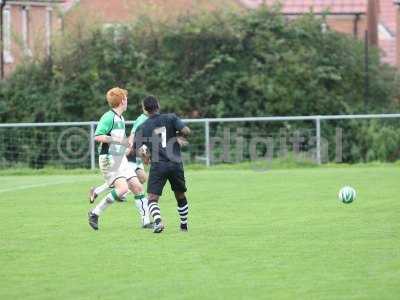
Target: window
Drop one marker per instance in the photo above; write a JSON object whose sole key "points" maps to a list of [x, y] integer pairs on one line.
{"points": [[49, 21], [8, 59], [25, 31]]}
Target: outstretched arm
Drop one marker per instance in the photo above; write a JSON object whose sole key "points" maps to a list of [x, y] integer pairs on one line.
{"points": [[182, 136], [140, 147], [182, 130], [185, 131], [130, 144]]}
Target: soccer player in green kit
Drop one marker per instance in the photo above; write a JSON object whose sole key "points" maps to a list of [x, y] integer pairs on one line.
{"points": [[114, 145], [135, 164]]}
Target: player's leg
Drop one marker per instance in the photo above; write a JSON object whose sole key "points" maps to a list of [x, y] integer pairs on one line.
{"points": [[110, 167], [140, 172], [142, 175], [141, 201], [155, 212], [183, 209], [129, 169], [178, 185], [119, 190], [95, 191], [157, 180]]}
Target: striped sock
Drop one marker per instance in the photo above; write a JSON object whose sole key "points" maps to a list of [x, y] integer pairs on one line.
{"points": [[155, 211], [102, 188], [183, 211], [106, 202], [143, 208]]}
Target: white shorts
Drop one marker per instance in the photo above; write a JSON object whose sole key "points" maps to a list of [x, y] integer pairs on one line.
{"points": [[113, 167]]}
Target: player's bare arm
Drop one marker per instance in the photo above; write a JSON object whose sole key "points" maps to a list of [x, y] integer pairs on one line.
{"points": [[112, 140], [129, 148], [131, 140], [182, 136], [185, 131]]}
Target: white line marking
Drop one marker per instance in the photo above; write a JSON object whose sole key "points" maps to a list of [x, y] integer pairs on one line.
{"points": [[27, 187]]}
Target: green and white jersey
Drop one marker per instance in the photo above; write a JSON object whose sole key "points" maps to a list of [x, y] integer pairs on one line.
{"points": [[139, 121], [113, 125]]}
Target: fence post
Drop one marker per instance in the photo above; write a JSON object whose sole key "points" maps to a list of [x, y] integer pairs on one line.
{"points": [[207, 141], [92, 147], [318, 138]]}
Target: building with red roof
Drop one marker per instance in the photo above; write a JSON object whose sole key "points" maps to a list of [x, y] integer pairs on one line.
{"points": [[28, 27], [349, 16]]}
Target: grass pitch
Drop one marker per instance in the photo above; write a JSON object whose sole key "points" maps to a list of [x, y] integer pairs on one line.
{"points": [[280, 234]]}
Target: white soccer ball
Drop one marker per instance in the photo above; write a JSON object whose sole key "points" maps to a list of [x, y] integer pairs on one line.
{"points": [[347, 194]]}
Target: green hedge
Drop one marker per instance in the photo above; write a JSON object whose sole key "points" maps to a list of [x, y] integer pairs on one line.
{"points": [[216, 65]]}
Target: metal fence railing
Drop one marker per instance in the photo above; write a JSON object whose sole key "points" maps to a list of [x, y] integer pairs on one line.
{"points": [[354, 137]]}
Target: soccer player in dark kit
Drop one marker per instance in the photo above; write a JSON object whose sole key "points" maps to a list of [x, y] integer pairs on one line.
{"points": [[158, 141]]}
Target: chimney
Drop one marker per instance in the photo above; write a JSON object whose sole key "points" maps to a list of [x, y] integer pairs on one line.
{"points": [[372, 21]]}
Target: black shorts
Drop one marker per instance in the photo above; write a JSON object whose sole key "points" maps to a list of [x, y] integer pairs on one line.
{"points": [[160, 172]]}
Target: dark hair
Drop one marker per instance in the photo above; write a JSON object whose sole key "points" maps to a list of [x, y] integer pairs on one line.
{"points": [[150, 104]]}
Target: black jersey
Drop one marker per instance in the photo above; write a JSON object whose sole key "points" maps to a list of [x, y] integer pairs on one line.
{"points": [[159, 134]]}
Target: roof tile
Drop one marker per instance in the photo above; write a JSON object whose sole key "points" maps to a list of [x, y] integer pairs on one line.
{"points": [[303, 6]]}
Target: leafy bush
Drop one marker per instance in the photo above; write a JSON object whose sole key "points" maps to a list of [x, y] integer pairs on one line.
{"points": [[216, 65]]}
